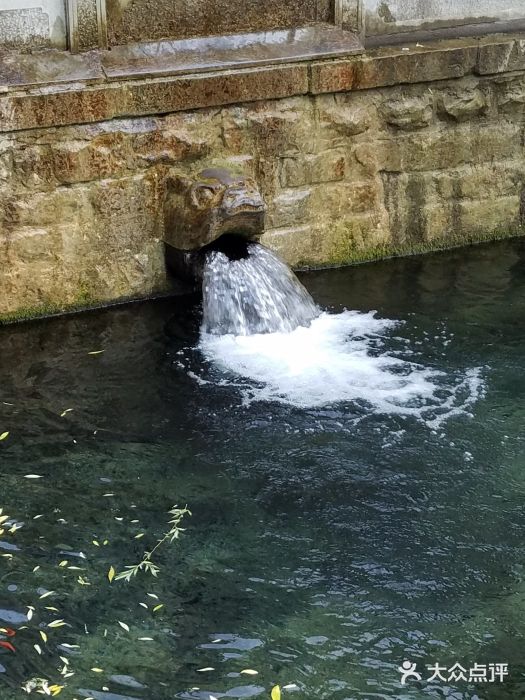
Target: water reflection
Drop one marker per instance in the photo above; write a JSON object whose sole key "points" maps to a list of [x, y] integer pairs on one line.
{"points": [[323, 550]]}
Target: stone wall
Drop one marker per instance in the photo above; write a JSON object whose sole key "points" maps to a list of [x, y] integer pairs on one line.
{"points": [[347, 177], [135, 21], [393, 16], [33, 23]]}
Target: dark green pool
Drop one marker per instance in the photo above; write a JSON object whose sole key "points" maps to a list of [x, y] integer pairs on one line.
{"points": [[328, 543]]}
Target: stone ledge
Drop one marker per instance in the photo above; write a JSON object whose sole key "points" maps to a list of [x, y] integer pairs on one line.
{"points": [[93, 96]]}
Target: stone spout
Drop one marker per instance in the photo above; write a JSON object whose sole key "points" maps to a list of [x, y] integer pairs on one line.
{"points": [[201, 209]]}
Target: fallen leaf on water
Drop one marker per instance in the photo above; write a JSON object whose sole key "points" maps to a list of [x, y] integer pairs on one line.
{"points": [[3, 518], [7, 645], [46, 595], [97, 670], [49, 607], [3, 436], [64, 413], [96, 352], [30, 611], [56, 623], [158, 607], [111, 574], [33, 476], [124, 626], [36, 568], [37, 649], [43, 635], [55, 689], [276, 693], [145, 639], [250, 672], [64, 562], [203, 670]]}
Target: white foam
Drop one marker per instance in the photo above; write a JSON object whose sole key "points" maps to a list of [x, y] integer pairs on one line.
{"points": [[338, 358]]}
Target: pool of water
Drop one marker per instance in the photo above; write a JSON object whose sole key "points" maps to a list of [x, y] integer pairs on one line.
{"points": [[330, 540]]}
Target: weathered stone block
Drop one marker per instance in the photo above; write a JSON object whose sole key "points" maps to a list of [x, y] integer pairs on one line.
{"points": [[501, 57], [488, 181], [409, 112], [329, 166], [462, 104], [289, 208], [438, 149], [398, 68]]}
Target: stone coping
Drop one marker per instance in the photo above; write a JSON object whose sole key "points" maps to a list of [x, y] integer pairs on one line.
{"points": [[49, 89]]}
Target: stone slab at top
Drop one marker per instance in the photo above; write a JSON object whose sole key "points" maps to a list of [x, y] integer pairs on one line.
{"points": [[151, 88]]}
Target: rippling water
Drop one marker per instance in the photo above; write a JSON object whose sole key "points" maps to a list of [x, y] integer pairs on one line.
{"points": [[329, 541]]}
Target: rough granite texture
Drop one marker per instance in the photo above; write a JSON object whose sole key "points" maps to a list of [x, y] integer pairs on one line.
{"points": [[347, 176]]}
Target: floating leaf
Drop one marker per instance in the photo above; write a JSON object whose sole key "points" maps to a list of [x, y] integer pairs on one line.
{"points": [[37, 649], [124, 626], [111, 574], [97, 670], [56, 623], [250, 672], [5, 435], [276, 693], [96, 543], [3, 518], [33, 476], [145, 639], [30, 611], [43, 635], [203, 670], [64, 562], [96, 352], [158, 607], [64, 413], [7, 645], [56, 689]]}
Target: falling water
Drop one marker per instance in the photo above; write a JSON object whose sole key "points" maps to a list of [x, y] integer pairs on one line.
{"points": [[255, 293], [261, 325]]}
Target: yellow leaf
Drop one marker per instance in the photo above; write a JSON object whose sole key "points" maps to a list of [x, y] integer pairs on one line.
{"points": [[43, 635], [250, 672], [158, 607], [276, 693], [56, 689], [111, 574], [64, 562], [4, 435], [57, 623], [46, 595], [97, 670], [64, 413], [96, 352], [96, 543], [3, 518], [141, 534]]}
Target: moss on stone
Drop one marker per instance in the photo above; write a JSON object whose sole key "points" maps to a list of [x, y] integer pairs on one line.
{"points": [[348, 250]]}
